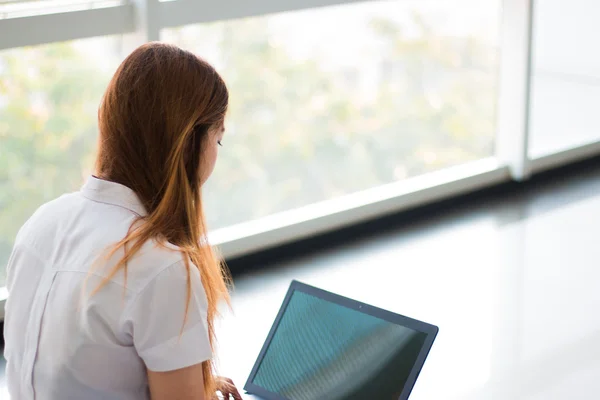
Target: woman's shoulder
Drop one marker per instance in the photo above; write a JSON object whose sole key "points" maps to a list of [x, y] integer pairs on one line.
{"points": [[158, 261]]}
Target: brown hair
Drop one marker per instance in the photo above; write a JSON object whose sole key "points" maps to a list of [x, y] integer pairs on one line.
{"points": [[154, 119]]}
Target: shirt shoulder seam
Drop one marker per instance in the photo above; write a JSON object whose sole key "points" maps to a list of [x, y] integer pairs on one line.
{"points": [[124, 206], [153, 278], [34, 252], [131, 303], [96, 275]]}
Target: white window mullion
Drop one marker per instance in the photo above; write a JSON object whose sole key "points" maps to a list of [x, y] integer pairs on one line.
{"points": [[513, 100], [146, 23]]}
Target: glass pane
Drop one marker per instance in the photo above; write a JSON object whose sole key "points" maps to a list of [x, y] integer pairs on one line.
{"points": [[49, 97], [330, 101], [565, 81]]}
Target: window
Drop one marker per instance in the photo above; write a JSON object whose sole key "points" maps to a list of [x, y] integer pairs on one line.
{"points": [[339, 113], [331, 101], [49, 97], [565, 80]]}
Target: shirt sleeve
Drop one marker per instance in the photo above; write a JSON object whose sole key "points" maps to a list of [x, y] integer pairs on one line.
{"points": [[157, 318]]}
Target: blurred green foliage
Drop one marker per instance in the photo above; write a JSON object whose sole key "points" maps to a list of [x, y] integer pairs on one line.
{"points": [[297, 132]]}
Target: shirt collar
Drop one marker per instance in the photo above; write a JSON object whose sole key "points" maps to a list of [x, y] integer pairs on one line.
{"points": [[113, 193]]}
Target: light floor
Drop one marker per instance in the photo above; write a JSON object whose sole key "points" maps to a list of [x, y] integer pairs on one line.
{"points": [[513, 285], [515, 292]]}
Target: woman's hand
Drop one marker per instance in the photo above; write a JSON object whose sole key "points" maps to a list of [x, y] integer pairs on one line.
{"points": [[228, 389]]}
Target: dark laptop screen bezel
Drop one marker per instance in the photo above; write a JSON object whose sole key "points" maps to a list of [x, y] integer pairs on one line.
{"points": [[420, 326]]}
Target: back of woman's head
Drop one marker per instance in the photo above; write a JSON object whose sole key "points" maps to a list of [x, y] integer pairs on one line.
{"points": [[155, 120], [157, 112]]}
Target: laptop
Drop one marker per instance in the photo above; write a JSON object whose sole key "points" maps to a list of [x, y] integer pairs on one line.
{"points": [[327, 347]]}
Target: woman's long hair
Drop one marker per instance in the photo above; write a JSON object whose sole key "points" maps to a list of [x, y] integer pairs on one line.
{"points": [[154, 120]]}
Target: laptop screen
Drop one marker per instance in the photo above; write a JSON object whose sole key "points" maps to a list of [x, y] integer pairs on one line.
{"points": [[323, 350]]}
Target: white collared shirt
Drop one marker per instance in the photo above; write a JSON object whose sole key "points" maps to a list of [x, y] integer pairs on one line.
{"points": [[62, 345]]}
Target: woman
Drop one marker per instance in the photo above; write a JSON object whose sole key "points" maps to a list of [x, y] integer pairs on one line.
{"points": [[113, 289]]}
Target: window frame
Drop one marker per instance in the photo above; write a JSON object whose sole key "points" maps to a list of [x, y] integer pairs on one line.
{"points": [[64, 26]]}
